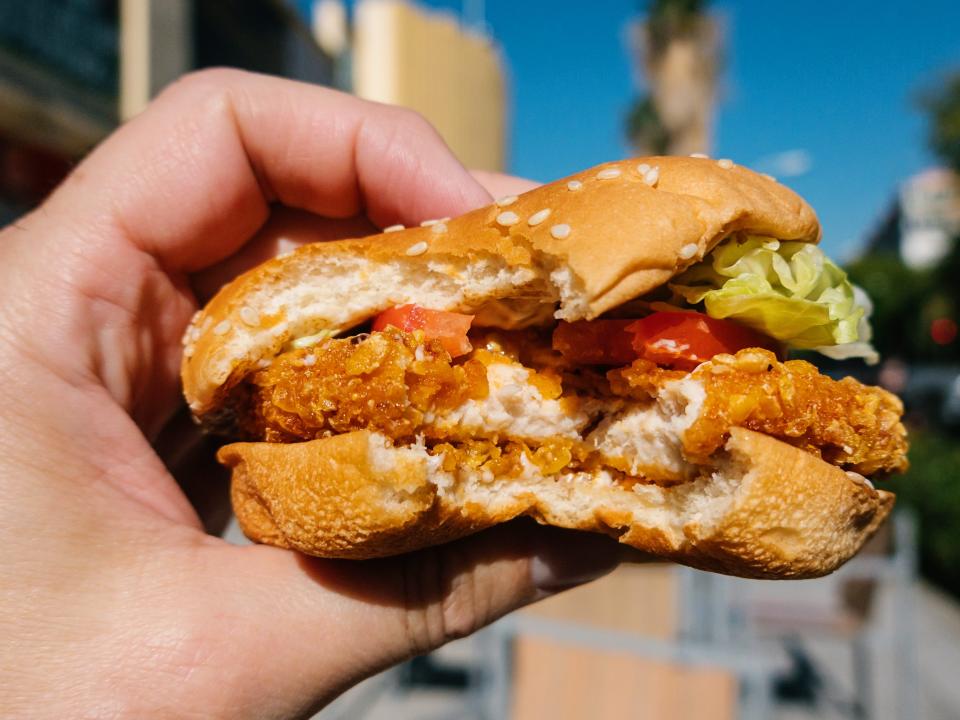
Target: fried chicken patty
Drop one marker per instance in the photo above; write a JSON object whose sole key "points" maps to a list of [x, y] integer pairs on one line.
{"points": [[845, 422], [513, 397]]}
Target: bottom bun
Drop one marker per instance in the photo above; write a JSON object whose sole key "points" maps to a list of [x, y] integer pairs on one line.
{"points": [[764, 509]]}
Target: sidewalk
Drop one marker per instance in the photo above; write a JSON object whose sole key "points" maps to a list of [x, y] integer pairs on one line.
{"points": [[936, 621], [936, 624]]}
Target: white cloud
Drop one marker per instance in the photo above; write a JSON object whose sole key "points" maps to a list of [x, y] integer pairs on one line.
{"points": [[786, 164]]}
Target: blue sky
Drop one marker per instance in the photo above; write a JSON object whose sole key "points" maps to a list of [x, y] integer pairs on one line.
{"points": [[833, 89]]}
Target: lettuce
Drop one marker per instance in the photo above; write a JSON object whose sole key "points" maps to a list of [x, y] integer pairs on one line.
{"points": [[789, 290]]}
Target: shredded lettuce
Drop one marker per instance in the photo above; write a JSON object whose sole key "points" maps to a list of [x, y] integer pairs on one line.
{"points": [[789, 290]]}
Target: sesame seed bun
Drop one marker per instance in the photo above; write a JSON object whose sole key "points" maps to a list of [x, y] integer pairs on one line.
{"points": [[765, 510], [609, 237]]}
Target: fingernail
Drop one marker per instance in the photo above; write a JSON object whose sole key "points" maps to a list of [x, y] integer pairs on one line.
{"points": [[565, 558]]}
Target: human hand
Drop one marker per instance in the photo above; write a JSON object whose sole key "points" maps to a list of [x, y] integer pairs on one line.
{"points": [[115, 602]]}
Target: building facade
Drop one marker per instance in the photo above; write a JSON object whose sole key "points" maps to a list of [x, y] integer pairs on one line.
{"points": [[71, 70], [427, 61]]}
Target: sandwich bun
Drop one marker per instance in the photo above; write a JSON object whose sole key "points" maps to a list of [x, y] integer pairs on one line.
{"points": [[767, 509]]}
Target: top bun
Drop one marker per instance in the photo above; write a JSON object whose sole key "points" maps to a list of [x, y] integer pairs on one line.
{"points": [[573, 249]]}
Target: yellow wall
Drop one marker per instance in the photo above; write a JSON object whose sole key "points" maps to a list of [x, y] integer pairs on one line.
{"points": [[424, 60]]}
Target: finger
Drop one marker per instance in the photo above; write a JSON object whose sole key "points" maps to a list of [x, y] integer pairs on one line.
{"points": [[340, 621], [500, 184], [192, 178]]}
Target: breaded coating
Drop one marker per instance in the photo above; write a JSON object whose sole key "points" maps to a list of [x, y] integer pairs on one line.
{"points": [[387, 381], [398, 383], [848, 424]]}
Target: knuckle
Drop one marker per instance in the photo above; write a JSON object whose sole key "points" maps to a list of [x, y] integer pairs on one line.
{"points": [[411, 122], [460, 608], [203, 86], [443, 599], [206, 80]]}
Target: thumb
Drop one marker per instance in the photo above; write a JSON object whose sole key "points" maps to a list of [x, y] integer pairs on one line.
{"points": [[327, 624]]}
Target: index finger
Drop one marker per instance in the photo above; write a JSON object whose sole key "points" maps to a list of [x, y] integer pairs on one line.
{"points": [[192, 178]]}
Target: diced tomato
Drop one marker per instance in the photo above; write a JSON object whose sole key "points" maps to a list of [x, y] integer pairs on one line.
{"points": [[683, 340], [595, 342], [449, 328], [680, 340]]}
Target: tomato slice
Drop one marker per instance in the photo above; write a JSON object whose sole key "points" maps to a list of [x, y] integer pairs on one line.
{"points": [[680, 340], [595, 342], [683, 340], [449, 328]]}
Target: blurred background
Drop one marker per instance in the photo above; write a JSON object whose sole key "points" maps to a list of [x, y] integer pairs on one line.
{"points": [[856, 105]]}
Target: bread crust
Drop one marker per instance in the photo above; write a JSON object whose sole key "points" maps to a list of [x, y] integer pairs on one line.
{"points": [[787, 514], [624, 238]]}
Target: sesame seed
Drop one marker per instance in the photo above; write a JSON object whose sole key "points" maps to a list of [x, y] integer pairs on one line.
{"points": [[428, 223], [574, 185], [609, 173], [440, 227], [769, 177], [725, 163], [538, 217], [283, 255], [188, 351], [506, 200], [702, 156], [508, 218], [194, 334], [652, 176], [263, 363], [309, 360], [858, 478], [394, 228], [560, 231], [205, 325], [688, 251], [643, 168], [222, 328], [249, 315], [417, 248], [195, 317]]}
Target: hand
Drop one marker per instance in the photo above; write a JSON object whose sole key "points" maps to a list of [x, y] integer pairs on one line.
{"points": [[113, 600]]}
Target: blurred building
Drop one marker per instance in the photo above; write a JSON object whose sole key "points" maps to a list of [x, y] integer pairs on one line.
{"points": [[922, 222], [929, 216], [58, 89], [428, 61], [70, 70], [162, 39]]}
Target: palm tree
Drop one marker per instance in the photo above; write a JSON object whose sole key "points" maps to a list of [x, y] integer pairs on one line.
{"points": [[678, 46], [942, 103]]}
